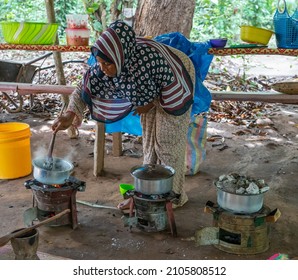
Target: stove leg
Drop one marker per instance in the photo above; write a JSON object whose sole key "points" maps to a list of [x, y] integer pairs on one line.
{"points": [[73, 208], [33, 201], [131, 212], [171, 218]]}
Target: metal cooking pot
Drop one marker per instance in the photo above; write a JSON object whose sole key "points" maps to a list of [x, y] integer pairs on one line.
{"points": [[240, 203], [57, 175], [153, 178]]}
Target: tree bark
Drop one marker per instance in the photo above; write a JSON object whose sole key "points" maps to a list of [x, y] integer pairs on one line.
{"points": [[155, 17]]}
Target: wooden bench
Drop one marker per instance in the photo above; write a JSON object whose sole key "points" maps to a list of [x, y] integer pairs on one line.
{"points": [[261, 96], [267, 96], [99, 145]]}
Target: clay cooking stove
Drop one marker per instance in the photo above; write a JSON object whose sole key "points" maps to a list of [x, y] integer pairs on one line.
{"points": [[50, 200], [239, 233], [241, 221], [151, 213]]}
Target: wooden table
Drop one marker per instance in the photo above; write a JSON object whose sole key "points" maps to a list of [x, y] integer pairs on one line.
{"points": [[99, 145]]}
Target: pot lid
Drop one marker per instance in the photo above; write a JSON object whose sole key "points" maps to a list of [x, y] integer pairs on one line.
{"points": [[152, 171]]}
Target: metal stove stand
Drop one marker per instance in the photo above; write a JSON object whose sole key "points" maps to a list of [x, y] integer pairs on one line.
{"points": [[48, 200], [151, 213]]}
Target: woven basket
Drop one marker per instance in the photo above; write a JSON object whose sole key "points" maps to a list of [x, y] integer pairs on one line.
{"points": [[286, 28], [288, 87], [29, 33]]}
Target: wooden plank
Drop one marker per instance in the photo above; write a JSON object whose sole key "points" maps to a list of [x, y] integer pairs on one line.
{"points": [[99, 148], [270, 97], [57, 48], [212, 51], [24, 88], [117, 144], [252, 51]]}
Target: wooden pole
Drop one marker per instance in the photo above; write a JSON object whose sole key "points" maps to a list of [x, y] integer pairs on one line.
{"points": [[58, 61], [99, 149]]}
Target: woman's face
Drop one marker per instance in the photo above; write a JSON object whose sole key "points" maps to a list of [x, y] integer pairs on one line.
{"points": [[107, 67]]}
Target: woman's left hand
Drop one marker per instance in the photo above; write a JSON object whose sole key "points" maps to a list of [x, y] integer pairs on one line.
{"points": [[143, 109]]}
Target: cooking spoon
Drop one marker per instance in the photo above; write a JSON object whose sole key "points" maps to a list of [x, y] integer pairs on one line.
{"points": [[48, 164], [6, 238]]}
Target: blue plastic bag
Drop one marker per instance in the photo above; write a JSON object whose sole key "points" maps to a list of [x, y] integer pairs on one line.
{"points": [[198, 54]]}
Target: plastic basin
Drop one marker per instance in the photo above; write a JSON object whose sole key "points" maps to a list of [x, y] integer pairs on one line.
{"points": [[29, 33], [252, 34]]}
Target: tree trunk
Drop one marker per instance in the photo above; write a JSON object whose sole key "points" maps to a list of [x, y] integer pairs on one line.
{"points": [[58, 61], [155, 17]]}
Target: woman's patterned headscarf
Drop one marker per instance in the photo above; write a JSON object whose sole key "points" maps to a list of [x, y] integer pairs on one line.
{"points": [[146, 70]]}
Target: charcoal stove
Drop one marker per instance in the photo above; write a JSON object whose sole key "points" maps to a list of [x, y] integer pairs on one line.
{"points": [[238, 233], [50, 200], [151, 213]]}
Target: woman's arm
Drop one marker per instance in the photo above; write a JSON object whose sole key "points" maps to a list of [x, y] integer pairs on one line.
{"points": [[77, 106], [74, 113]]}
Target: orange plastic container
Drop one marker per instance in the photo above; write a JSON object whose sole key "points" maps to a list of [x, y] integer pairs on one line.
{"points": [[15, 150]]}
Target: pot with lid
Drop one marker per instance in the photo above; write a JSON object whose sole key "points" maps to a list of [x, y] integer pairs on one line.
{"points": [[153, 178]]}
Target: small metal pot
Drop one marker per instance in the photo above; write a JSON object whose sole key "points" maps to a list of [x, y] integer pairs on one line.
{"points": [[240, 203], [57, 175], [153, 178]]}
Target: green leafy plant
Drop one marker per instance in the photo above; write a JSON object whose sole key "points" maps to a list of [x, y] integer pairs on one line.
{"points": [[223, 18]]}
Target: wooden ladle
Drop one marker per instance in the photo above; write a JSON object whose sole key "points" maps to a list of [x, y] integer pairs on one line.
{"points": [[48, 164], [6, 238]]}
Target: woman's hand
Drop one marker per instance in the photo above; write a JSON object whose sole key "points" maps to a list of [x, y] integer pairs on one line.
{"points": [[143, 109], [63, 122]]}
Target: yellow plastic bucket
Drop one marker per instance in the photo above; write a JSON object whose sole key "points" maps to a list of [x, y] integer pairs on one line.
{"points": [[15, 150]]}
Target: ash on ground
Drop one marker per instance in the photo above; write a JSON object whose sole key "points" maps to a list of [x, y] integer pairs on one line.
{"points": [[240, 184]]}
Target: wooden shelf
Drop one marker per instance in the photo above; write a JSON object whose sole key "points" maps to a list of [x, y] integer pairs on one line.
{"points": [[252, 51], [213, 51], [57, 48]]}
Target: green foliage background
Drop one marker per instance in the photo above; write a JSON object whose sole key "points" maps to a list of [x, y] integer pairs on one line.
{"points": [[223, 18], [212, 19]]}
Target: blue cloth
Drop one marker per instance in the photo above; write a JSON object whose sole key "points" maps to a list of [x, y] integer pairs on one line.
{"points": [[198, 53], [130, 124]]}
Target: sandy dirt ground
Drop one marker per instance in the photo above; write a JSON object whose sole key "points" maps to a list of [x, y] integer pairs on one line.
{"points": [[269, 150]]}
